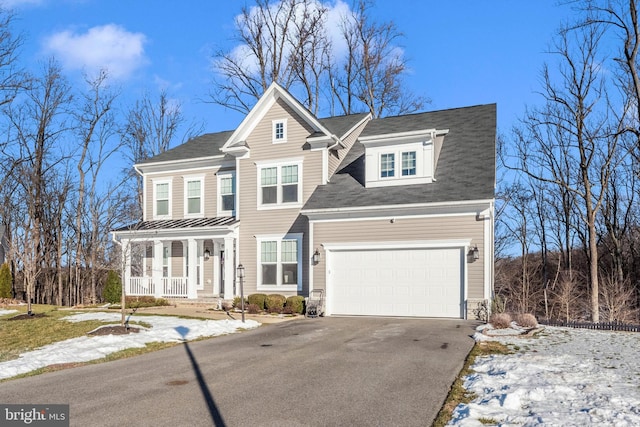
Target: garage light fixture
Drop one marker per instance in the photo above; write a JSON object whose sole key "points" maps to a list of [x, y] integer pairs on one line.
{"points": [[316, 257], [207, 254], [474, 253]]}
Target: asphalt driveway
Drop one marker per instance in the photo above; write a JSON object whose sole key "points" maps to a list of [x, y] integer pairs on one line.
{"points": [[310, 372]]}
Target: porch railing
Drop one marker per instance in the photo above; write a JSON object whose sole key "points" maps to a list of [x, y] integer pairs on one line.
{"points": [[164, 287]]}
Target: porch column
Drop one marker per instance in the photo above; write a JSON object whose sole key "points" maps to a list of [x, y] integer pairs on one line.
{"points": [[215, 268], [229, 268], [192, 286], [157, 267]]}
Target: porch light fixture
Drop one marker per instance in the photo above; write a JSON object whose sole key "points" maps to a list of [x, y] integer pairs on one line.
{"points": [[207, 254], [474, 253], [316, 257], [240, 275]]}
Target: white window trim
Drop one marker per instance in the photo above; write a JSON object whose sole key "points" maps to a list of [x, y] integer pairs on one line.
{"points": [[284, 131], [279, 204], [220, 176], [395, 165], [424, 169], [187, 179], [278, 238], [155, 184]]}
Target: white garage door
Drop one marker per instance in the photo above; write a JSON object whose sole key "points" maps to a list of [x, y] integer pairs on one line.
{"points": [[396, 282]]}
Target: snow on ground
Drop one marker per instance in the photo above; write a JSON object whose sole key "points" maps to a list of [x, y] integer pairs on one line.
{"points": [[561, 377], [3, 311], [86, 348]]}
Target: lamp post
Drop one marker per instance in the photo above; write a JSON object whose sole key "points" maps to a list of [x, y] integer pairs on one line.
{"points": [[240, 274]]}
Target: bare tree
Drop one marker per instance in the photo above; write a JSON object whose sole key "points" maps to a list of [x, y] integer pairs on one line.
{"points": [[574, 116], [151, 128], [287, 41], [36, 125], [95, 124]]}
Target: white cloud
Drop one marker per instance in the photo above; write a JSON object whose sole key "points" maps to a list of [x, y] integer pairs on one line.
{"points": [[108, 47]]}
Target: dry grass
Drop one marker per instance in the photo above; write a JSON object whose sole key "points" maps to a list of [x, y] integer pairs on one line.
{"points": [[526, 320], [500, 320], [20, 336], [458, 394]]}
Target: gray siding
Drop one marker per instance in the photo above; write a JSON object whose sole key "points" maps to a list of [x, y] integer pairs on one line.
{"points": [[256, 222], [336, 157]]}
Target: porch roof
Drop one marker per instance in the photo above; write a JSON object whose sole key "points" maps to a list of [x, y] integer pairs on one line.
{"points": [[173, 224]]}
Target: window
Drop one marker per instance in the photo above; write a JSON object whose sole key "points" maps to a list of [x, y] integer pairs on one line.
{"points": [[269, 184], [409, 163], [290, 184], [280, 262], [387, 165], [227, 192], [279, 131], [193, 197], [280, 185], [162, 199]]}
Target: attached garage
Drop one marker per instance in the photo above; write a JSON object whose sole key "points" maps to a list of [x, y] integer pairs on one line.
{"points": [[396, 281]]}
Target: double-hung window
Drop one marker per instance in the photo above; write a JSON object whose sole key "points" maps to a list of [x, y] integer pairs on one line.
{"points": [[194, 197], [387, 165], [162, 199], [227, 194], [279, 261], [409, 163], [280, 185]]}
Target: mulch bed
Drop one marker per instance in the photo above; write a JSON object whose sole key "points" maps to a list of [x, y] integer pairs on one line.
{"points": [[113, 330], [26, 316]]}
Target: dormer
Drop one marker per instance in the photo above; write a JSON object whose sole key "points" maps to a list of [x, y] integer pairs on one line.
{"points": [[402, 158]]}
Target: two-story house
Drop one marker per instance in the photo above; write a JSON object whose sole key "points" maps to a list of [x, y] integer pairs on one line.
{"points": [[390, 216]]}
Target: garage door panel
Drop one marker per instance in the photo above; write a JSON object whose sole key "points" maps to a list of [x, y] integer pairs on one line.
{"points": [[401, 282]]}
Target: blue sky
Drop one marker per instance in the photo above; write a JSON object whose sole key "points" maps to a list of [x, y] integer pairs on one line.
{"points": [[459, 52]]}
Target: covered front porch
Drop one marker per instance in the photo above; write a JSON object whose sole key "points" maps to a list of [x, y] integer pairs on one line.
{"points": [[178, 260]]}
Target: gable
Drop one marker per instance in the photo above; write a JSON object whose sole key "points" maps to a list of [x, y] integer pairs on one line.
{"points": [[272, 95]]}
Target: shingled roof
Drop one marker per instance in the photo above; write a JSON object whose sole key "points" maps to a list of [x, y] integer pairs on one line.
{"points": [[207, 145], [465, 170]]}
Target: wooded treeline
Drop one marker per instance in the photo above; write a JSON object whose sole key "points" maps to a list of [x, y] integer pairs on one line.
{"points": [[568, 179], [66, 176]]}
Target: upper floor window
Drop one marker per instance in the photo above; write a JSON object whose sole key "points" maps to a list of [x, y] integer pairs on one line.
{"points": [[279, 131], [409, 163], [227, 194], [193, 196], [161, 199], [280, 184], [387, 165]]}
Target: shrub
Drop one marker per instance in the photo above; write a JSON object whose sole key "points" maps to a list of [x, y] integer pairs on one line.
{"points": [[113, 288], [145, 301], [236, 302], [274, 302], [257, 299], [253, 309], [526, 320], [500, 320], [288, 310], [295, 304], [275, 309], [5, 281]]}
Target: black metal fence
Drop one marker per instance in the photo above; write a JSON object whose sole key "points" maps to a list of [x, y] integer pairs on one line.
{"points": [[602, 326]]}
